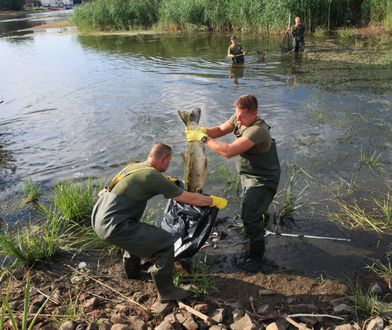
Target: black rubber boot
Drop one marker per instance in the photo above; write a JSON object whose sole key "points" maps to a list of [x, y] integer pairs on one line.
{"points": [[132, 266], [257, 249], [166, 289]]}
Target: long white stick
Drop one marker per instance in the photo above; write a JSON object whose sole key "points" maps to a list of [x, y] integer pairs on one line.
{"points": [[267, 232]]}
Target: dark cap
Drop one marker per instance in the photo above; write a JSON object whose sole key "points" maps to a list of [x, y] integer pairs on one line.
{"points": [[233, 37]]}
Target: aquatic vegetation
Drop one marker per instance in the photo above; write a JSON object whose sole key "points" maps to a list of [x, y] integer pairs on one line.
{"points": [[320, 32], [74, 200], [345, 35], [386, 207], [31, 191], [201, 279], [108, 15], [232, 180], [368, 305], [352, 215], [27, 321], [150, 214], [380, 268], [30, 244], [371, 161], [290, 203], [342, 188]]}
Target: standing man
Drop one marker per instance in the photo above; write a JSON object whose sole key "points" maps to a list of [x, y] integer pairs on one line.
{"points": [[258, 165], [297, 31], [116, 218], [236, 51]]}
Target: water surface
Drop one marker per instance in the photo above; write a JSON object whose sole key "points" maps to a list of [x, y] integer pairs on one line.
{"points": [[84, 105]]}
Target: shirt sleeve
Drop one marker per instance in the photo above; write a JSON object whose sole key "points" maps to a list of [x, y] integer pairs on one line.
{"points": [[256, 134], [166, 187]]}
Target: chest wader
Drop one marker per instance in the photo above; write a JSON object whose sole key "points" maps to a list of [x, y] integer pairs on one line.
{"points": [[258, 192], [162, 271]]}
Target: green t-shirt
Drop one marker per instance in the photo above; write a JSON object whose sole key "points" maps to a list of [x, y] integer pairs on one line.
{"points": [[298, 31], [236, 50], [128, 198], [260, 162]]}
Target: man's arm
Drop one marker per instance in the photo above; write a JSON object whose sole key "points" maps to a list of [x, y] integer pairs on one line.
{"points": [[229, 150], [218, 131], [194, 199]]}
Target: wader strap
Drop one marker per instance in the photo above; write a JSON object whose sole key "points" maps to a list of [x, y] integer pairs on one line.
{"points": [[118, 177]]}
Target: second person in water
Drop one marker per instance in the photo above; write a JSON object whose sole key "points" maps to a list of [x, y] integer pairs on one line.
{"points": [[236, 51]]}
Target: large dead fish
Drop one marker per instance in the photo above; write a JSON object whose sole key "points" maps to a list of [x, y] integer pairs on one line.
{"points": [[195, 158]]}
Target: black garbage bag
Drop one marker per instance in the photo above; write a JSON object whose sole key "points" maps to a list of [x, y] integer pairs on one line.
{"points": [[190, 225]]}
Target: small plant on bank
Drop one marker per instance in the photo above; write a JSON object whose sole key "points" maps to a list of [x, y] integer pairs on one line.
{"points": [[24, 321], [74, 200], [345, 34], [232, 181], [386, 208], [200, 278], [31, 191], [368, 305], [320, 32], [30, 244], [290, 200], [150, 214], [380, 268], [371, 161]]}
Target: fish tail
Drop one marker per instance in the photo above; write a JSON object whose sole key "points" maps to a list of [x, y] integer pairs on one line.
{"points": [[190, 117]]}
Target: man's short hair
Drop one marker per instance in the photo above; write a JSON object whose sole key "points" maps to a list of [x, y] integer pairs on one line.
{"points": [[160, 151], [233, 37], [247, 101]]}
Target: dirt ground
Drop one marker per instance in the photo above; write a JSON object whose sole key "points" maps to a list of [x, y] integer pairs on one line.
{"points": [[276, 291]]}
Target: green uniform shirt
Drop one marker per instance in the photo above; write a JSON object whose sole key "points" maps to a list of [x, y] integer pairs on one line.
{"points": [[128, 198], [236, 50], [298, 31], [260, 163]]}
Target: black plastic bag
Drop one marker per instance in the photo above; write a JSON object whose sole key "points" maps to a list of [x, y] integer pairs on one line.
{"points": [[190, 225]]}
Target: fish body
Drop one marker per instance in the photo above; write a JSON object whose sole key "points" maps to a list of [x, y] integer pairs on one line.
{"points": [[195, 157]]}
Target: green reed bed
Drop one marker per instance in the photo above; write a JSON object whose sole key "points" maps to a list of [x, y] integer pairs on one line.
{"points": [[109, 15], [221, 15]]}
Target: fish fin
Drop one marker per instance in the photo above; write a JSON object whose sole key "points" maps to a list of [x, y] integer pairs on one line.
{"points": [[195, 115], [190, 117]]}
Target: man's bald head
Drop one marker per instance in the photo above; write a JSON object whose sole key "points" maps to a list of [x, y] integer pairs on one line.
{"points": [[160, 156]]}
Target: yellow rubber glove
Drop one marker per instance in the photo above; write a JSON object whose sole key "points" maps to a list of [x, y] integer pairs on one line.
{"points": [[194, 135], [231, 55], [172, 178], [219, 202]]}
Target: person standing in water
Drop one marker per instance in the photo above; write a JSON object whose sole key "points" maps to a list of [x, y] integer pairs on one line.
{"points": [[297, 31], [236, 51]]}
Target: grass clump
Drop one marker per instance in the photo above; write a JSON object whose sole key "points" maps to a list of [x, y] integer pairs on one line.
{"points": [[74, 200], [380, 268], [320, 32], [345, 35], [200, 278], [30, 244], [371, 161], [27, 321], [232, 181], [31, 191], [290, 200], [368, 305]]}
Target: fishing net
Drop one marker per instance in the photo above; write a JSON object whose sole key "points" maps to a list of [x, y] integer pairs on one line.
{"points": [[286, 42], [190, 225]]}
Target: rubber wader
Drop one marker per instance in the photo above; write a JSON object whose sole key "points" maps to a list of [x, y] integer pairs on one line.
{"points": [[166, 289], [131, 265]]}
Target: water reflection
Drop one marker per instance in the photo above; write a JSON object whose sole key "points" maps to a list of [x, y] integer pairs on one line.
{"points": [[236, 72]]}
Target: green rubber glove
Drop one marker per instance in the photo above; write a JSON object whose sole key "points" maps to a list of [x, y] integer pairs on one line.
{"points": [[195, 135], [219, 202]]}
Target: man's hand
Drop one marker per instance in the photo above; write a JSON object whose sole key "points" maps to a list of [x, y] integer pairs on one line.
{"points": [[195, 134], [218, 202]]}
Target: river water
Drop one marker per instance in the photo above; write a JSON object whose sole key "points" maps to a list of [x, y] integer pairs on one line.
{"points": [[83, 105]]}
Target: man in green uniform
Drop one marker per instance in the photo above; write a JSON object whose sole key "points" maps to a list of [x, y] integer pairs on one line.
{"points": [[258, 165], [115, 218], [236, 51], [297, 31]]}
